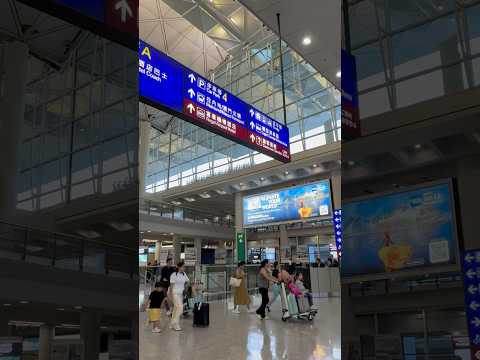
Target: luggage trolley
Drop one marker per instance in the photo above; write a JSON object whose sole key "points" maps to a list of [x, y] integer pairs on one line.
{"points": [[295, 307]]}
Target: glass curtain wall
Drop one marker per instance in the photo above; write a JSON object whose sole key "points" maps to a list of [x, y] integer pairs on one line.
{"points": [[80, 130], [414, 50], [184, 153]]}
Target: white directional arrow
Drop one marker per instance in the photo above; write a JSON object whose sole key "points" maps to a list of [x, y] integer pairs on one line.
{"points": [[338, 226], [474, 305], [190, 108], [469, 258], [125, 9], [339, 233], [337, 219], [471, 273], [252, 137], [252, 124], [192, 78], [191, 93], [252, 112], [472, 289], [475, 321]]}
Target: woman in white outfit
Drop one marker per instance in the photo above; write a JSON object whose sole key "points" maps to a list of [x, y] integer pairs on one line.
{"points": [[178, 279]]}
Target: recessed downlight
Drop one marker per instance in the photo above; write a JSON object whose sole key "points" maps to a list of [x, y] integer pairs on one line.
{"points": [[307, 40], [338, 74], [262, 179]]}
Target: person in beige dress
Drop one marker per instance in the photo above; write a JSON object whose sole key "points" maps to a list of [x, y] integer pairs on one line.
{"points": [[241, 296]]}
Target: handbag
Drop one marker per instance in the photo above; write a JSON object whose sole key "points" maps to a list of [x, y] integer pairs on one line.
{"points": [[234, 282]]}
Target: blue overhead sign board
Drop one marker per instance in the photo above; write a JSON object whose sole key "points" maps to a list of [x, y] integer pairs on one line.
{"points": [[299, 203], [172, 87], [92, 8], [337, 228], [350, 114], [160, 78], [471, 288]]}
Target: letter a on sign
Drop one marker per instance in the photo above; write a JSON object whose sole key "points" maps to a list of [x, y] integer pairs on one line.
{"points": [[146, 51]]}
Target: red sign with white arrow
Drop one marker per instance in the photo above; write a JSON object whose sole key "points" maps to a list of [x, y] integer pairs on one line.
{"points": [[122, 15]]}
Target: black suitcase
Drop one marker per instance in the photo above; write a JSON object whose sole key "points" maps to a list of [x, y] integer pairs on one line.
{"points": [[201, 314]]}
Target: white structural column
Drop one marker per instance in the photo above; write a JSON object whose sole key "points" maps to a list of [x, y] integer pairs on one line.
{"points": [[158, 247], [145, 130], [45, 341], [177, 248], [12, 108], [284, 242], [469, 197], [198, 251], [90, 333]]}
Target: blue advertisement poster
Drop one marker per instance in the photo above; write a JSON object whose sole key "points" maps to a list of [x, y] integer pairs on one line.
{"points": [[398, 231], [298, 203]]}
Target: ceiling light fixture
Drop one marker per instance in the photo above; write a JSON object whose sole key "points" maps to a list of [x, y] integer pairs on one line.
{"points": [[338, 74], [417, 146], [190, 199], [262, 179], [351, 163], [307, 40], [315, 165], [176, 203], [286, 172], [241, 184], [205, 195]]}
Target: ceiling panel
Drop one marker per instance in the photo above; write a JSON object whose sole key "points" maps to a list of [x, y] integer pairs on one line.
{"points": [[320, 20]]}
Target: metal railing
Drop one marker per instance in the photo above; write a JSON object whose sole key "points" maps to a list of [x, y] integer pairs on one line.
{"points": [[214, 279], [174, 212], [406, 285], [68, 252]]}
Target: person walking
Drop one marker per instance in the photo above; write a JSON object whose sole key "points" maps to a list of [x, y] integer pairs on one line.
{"points": [[276, 286], [241, 293], [264, 279], [177, 285], [165, 275]]}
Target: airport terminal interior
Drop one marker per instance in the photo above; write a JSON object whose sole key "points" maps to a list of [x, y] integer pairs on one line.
{"points": [[211, 202], [218, 142]]}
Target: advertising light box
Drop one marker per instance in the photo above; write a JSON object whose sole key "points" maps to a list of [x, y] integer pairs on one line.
{"points": [[171, 87], [393, 232], [299, 203]]}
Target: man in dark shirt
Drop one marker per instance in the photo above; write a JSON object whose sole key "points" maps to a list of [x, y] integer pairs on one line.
{"points": [[167, 271]]}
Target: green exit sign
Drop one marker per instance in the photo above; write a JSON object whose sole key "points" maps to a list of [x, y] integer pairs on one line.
{"points": [[241, 246]]}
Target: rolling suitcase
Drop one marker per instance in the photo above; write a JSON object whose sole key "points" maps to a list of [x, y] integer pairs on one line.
{"points": [[201, 315]]}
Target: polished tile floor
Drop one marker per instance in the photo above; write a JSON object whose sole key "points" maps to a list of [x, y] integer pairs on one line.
{"points": [[245, 337]]}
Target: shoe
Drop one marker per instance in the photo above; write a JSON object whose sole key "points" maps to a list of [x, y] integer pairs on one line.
{"points": [[156, 330], [236, 311], [266, 318], [177, 328], [268, 308]]}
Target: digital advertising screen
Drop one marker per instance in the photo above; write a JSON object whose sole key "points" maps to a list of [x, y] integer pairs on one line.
{"points": [[299, 203], [393, 232]]}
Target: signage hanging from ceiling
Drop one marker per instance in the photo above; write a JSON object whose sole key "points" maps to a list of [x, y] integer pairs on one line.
{"points": [[113, 19], [350, 115], [171, 87], [299, 203]]}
